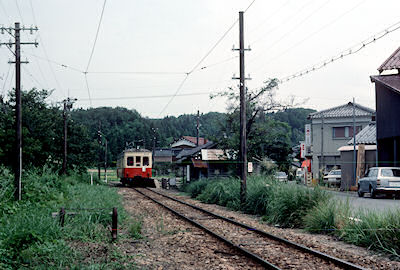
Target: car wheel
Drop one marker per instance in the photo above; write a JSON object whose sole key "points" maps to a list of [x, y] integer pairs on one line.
{"points": [[359, 192], [373, 192]]}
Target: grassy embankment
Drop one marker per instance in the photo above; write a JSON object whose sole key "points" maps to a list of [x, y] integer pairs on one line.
{"points": [[30, 238], [295, 206]]}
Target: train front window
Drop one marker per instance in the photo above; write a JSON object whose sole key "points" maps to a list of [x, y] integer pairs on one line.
{"points": [[145, 161], [129, 161], [138, 161]]}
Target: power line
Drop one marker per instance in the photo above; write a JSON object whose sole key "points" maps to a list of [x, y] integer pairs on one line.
{"points": [[202, 59], [97, 34], [88, 89], [151, 96], [352, 50], [138, 72], [44, 51], [5, 80], [316, 32], [19, 11]]}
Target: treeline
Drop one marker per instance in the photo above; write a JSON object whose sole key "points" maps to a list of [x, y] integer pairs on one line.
{"points": [[43, 131]]}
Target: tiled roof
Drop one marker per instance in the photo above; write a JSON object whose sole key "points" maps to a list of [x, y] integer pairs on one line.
{"points": [[393, 62], [366, 136], [192, 151], [194, 139], [213, 154], [345, 110], [163, 153], [391, 81]]}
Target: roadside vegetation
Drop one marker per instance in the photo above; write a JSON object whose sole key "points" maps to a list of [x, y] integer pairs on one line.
{"points": [[296, 206], [30, 238]]}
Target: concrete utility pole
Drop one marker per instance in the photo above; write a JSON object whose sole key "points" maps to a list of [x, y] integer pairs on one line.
{"points": [[18, 105], [322, 145], [243, 118], [198, 127], [67, 106]]}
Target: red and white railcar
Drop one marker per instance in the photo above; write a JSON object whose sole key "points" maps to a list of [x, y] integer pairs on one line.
{"points": [[134, 167]]}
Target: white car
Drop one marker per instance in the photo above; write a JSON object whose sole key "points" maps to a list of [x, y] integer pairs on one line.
{"points": [[333, 178], [281, 176]]}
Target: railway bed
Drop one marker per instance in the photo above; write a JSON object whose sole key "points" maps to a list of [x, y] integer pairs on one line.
{"points": [[270, 251]]}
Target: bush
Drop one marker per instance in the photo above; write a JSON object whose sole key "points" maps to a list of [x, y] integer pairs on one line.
{"points": [[31, 238], [288, 204], [377, 231], [195, 188], [328, 217]]}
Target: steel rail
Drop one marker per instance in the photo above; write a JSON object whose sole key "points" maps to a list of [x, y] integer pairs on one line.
{"points": [[337, 261], [247, 253]]}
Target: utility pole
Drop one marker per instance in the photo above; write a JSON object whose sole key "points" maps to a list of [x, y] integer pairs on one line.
{"points": [[99, 141], [198, 127], [243, 118], [67, 106], [354, 144], [322, 145], [18, 106]]}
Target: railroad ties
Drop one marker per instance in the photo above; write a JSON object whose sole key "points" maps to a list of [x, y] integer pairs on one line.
{"points": [[271, 251]]}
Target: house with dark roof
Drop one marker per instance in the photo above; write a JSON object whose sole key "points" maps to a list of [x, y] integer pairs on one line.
{"points": [[387, 93], [331, 129], [188, 142]]}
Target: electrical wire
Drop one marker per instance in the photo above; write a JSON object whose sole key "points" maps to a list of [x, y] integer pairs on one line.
{"points": [[352, 50], [45, 51], [317, 31], [151, 97], [5, 80], [138, 72], [268, 18], [19, 11], [88, 89], [202, 60], [97, 34]]}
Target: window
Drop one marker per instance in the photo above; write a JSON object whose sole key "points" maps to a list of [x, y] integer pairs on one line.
{"points": [[390, 172], [129, 161], [345, 132], [138, 161], [373, 173], [146, 161]]}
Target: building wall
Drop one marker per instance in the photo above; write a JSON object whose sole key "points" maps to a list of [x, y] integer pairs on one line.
{"points": [[331, 144], [388, 125], [346, 159]]}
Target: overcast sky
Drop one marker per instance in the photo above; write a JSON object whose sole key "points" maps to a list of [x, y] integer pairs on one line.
{"points": [[173, 36]]}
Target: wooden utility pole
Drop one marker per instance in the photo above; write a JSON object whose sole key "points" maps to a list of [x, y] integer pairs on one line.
{"points": [[67, 106], [18, 104], [99, 141], [197, 127], [243, 118]]}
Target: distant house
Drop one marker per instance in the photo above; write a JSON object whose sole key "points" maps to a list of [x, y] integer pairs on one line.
{"points": [[387, 92], [188, 142], [367, 138], [331, 129]]}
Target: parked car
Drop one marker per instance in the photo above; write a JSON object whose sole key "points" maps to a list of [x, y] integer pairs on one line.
{"points": [[281, 176], [299, 174], [333, 178], [380, 180]]}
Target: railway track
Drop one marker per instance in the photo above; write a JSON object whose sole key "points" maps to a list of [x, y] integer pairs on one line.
{"points": [[269, 250]]}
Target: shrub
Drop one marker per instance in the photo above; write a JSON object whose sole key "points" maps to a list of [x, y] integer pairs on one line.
{"points": [[378, 231], [195, 188], [288, 204], [221, 192], [328, 217]]}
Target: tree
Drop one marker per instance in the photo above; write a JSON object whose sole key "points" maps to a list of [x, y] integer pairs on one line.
{"points": [[266, 137]]}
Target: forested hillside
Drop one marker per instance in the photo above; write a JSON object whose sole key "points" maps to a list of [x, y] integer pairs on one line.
{"points": [[273, 134]]}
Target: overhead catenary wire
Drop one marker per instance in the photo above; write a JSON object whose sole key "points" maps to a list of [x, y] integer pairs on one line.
{"points": [[97, 35], [93, 48], [352, 50], [202, 60]]}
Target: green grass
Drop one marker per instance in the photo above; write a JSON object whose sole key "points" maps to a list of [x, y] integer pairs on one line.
{"points": [[279, 203], [30, 238]]}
